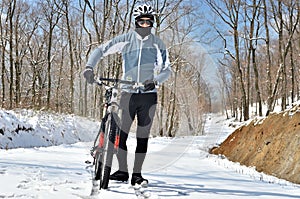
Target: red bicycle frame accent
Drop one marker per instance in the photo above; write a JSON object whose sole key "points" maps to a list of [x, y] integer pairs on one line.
{"points": [[101, 140], [117, 141]]}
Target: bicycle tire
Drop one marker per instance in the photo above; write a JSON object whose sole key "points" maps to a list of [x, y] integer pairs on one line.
{"points": [[98, 158], [98, 165], [111, 129]]}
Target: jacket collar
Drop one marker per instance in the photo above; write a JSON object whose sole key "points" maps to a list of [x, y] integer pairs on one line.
{"points": [[139, 37]]}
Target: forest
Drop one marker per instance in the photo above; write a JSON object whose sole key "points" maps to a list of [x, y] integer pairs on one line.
{"points": [[255, 45]]}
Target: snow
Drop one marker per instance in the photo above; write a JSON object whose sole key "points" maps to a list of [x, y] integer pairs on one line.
{"points": [[178, 168], [27, 128]]}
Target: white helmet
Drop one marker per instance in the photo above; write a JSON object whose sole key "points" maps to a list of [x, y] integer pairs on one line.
{"points": [[143, 11]]}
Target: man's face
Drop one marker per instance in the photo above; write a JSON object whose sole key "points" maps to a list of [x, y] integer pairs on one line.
{"points": [[144, 22]]}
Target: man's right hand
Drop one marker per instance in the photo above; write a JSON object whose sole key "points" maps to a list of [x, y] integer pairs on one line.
{"points": [[89, 75]]}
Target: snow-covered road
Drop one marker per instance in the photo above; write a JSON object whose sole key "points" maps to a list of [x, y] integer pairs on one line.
{"points": [[177, 168]]}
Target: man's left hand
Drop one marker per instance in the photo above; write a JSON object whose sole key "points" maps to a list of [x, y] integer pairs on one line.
{"points": [[149, 85]]}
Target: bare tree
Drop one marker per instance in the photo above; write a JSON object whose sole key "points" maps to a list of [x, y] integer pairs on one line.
{"points": [[229, 12], [253, 42], [66, 12], [283, 51], [11, 12], [3, 33], [52, 15], [293, 11], [268, 52]]}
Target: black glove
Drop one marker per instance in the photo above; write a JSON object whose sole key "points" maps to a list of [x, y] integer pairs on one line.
{"points": [[149, 85], [89, 75]]}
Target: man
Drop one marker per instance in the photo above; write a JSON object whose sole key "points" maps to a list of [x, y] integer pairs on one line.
{"points": [[145, 60]]}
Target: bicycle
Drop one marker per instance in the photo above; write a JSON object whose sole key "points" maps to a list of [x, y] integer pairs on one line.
{"points": [[106, 143]]}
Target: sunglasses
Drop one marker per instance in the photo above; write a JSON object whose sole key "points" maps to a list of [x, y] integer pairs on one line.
{"points": [[148, 22]]}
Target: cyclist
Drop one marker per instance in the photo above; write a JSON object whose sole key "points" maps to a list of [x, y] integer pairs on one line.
{"points": [[145, 60]]}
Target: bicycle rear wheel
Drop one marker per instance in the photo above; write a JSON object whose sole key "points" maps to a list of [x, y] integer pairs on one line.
{"points": [[111, 129]]}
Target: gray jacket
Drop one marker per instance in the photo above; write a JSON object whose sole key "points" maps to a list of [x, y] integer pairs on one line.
{"points": [[143, 59]]}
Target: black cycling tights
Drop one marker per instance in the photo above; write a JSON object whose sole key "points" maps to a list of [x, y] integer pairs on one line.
{"points": [[141, 105]]}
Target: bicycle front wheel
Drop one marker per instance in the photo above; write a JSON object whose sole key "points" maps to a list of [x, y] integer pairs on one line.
{"points": [[99, 146], [111, 129]]}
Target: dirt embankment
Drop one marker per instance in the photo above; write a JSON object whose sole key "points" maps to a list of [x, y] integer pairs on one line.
{"points": [[272, 145]]}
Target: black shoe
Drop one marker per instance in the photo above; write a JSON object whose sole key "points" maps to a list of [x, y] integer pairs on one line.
{"points": [[138, 179], [119, 176]]}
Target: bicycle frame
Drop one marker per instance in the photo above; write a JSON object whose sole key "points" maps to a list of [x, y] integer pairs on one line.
{"points": [[110, 106]]}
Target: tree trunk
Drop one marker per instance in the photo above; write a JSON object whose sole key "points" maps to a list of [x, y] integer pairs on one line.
{"points": [[11, 11], [17, 64], [3, 31], [253, 40], [71, 58], [245, 106], [269, 63]]}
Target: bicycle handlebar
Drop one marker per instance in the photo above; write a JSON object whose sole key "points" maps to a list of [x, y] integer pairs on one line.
{"points": [[117, 81], [133, 84]]}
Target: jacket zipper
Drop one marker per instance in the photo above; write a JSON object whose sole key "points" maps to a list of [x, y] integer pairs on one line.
{"points": [[139, 62]]}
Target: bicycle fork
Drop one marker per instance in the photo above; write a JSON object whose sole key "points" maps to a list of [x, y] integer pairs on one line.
{"points": [[100, 146], [117, 141]]}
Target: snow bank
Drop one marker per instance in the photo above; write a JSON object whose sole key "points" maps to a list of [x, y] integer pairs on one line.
{"points": [[28, 128], [236, 167]]}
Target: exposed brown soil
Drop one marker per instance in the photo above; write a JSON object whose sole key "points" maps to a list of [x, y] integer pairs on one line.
{"points": [[271, 145]]}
